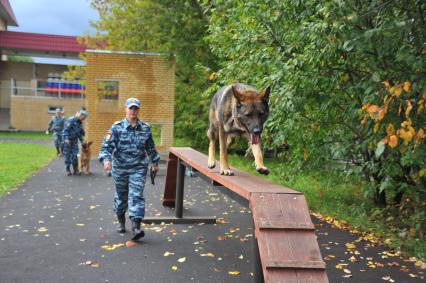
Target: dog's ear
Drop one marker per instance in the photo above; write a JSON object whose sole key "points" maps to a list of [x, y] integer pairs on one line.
{"points": [[238, 95], [89, 143], [264, 94]]}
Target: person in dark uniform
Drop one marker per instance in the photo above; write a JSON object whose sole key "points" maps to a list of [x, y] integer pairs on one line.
{"points": [[126, 151], [56, 125], [72, 133]]}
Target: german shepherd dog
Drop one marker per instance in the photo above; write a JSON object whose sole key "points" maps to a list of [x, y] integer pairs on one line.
{"points": [[237, 110], [84, 158]]}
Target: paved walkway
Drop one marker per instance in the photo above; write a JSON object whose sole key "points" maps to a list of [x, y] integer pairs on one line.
{"points": [[61, 229]]}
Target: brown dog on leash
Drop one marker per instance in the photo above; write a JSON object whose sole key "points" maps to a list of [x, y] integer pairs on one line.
{"points": [[84, 158], [237, 109]]}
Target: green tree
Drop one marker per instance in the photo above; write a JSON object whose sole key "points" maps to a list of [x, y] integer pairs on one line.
{"points": [[175, 28], [325, 60]]}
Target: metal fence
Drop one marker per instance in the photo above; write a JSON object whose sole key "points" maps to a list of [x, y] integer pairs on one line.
{"points": [[42, 92]]}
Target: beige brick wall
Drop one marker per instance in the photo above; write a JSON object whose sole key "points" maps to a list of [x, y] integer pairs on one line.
{"points": [[149, 78], [31, 114]]}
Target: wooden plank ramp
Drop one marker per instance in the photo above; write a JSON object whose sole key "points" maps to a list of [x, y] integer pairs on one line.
{"points": [[284, 232]]}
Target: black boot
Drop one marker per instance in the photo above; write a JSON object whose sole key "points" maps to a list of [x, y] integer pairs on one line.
{"points": [[121, 223], [136, 229], [58, 152], [68, 170]]}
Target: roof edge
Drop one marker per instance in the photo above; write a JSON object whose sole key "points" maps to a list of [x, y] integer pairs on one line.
{"points": [[125, 52], [10, 16]]}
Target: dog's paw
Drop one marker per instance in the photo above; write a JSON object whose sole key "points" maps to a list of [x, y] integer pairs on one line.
{"points": [[263, 170], [211, 165], [227, 172]]}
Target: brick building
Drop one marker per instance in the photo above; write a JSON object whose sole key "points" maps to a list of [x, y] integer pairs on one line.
{"points": [[30, 92], [113, 77]]}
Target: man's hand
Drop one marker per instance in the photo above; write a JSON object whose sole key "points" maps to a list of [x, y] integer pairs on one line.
{"points": [[47, 132], [67, 141], [107, 165]]}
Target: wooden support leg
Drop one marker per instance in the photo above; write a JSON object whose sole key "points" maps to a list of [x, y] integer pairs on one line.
{"points": [[179, 188], [169, 196], [173, 196]]}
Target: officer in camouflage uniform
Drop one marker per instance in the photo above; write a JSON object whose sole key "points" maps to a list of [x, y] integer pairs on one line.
{"points": [[56, 125], [127, 149], [73, 131]]}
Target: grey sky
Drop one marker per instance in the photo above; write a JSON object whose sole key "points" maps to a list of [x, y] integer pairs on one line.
{"points": [[62, 17], [65, 17]]}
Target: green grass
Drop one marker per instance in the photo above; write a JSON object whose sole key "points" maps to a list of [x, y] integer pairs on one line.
{"points": [[19, 161], [26, 135]]}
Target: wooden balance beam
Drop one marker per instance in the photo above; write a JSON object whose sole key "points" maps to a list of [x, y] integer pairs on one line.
{"points": [[284, 233]]}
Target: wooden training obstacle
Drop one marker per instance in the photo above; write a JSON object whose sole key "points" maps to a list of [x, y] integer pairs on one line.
{"points": [[285, 235]]}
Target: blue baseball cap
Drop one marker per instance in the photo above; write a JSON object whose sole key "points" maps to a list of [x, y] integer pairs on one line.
{"points": [[132, 102]]}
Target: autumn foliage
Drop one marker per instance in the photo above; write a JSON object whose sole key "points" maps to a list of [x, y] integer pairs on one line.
{"points": [[397, 124]]}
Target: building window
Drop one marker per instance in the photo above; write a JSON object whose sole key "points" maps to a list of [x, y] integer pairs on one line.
{"points": [[107, 90], [52, 109]]}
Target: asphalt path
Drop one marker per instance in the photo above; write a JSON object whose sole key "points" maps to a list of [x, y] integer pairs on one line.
{"points": [[55, 228]]}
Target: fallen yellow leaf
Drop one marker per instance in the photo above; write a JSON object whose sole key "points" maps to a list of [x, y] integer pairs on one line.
{"points": [[168, 254], [329, 257], [112, 247], [233, 272], [341, 265], [182, 259], [420, 264], [174, 267], [350, 246], [42, 229]]}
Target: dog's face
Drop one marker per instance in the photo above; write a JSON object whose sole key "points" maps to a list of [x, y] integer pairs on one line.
{"points": [[251, 111], [86, 145]]}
